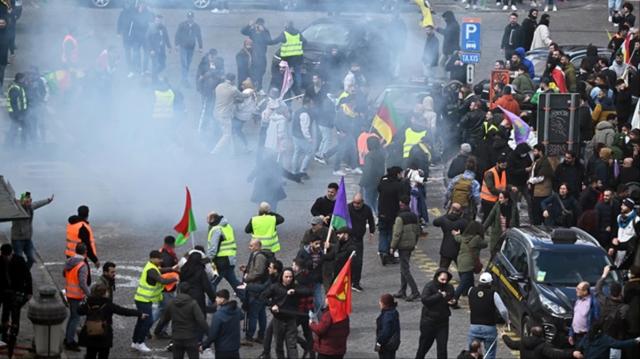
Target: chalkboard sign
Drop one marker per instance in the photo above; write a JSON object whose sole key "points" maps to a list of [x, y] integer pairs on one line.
{"points": [[557, 123]]}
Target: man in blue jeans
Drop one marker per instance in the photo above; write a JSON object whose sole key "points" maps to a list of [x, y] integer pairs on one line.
{"points": [[22, 229], [483, 304], [256, 275], [221, 248]]}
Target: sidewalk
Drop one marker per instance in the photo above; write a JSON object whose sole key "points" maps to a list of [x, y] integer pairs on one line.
{"points": [[40, 277]]}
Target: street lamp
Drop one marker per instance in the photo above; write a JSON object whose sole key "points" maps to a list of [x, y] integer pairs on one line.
{"points": [[47, 313]]}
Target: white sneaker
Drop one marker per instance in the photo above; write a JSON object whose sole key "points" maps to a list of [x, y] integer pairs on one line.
{"points": [[514, 8], [546, 8], [504, 8], [474, 7], [610, 18], [134, 346], [555, 8], [143, 348], [207, 354], [498, 3], [339, 173], [2, 344]]}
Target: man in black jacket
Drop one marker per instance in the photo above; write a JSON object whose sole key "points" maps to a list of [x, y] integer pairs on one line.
{"points": [[451, 33], [458, 164], [434, 320], [260, 37], [535, 347], [390, 188], [511, 36], [451, 221], [187, 35], [157, 43], [16, 289], [527, 29], [361, 216], [323, 206], [606, 213], [571, 172]]}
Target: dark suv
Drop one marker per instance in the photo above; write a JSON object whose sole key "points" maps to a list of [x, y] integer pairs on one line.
{"points": [[536, 272]]}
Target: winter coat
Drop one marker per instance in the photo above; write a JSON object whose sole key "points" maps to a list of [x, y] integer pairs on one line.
{"points": [[599, 346], [276, 294], [517, 163], [449, 247], [277, 138], [543, 168], [373, 170], [387, 329], [261, 40], [406, 231], [199, 284], [613, 312], [508, 103], [631, 295], [359, 220], [572, 175], [224, 332], [268, 181], [541, 37], [187, 319], [15, 276], [605, 134], [457, 166], [570, 77], [536, 348], [552, 204], [103, 309], [22, 229], [243, 63], [521, 52], [527, 29], [158, 38], [470, 247], [523, 84], [227, 96], [451, 33], [330, 338], [435, 307], [472, 130], [390, 189], [493, 226], [510, 37], [187, 35], [431, 52]]}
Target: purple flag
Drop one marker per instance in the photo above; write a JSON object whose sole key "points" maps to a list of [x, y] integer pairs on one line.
{"points": [[341, 217], [521, 129]]}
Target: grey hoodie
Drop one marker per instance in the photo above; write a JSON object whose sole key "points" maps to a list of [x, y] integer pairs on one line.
{"points": [[214, 244], [604, 134], [187, 320], [83, 273]]}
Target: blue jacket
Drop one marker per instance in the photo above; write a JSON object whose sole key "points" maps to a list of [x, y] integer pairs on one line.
{"points": [[598, 347], [594, 314], [387, 324], [224, 331], [526, 62]]}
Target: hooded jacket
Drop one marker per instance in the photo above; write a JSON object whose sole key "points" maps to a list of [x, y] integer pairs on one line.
{"points": [[451, 33], [435, 308], [184, 312], [527, 29], [604, 134], [390, 189], [517, 163], [83, 274], [449, 247], [520, 51], [84, 236], [224, 332]]}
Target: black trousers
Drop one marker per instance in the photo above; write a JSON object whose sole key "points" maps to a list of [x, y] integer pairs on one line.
{"points": [[536, 210], [445, 262], [406, 279], [286, 329], [486, 208], [389, 354], [189, 347], [99, 353], [357, 261], [324, 356], [430, 331]]}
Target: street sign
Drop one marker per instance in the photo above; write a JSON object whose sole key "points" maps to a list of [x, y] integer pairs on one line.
{"points": [[470, 34], [470, 74], [470, 57]]}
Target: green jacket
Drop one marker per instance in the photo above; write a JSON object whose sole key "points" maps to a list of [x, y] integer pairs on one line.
{"points": [[492, 224], [470, 247], [406, 231]]}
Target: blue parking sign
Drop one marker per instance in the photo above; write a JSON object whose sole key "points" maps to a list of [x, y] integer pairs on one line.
{"points": [[470, 34]]}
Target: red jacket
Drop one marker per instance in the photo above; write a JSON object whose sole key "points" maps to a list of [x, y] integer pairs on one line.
{"points": [[508, 103], [330, 338]]}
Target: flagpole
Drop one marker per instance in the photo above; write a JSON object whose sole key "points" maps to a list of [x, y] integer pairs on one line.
{"points": [[328, 234]]}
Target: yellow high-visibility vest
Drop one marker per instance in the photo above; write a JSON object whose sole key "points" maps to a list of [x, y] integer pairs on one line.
{"points": [[227, 247], [411, 138], [145, 292], [163, 106], [264, 228], [292, 45]]}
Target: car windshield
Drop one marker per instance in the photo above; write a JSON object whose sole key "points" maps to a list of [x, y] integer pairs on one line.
{"points": [[568, 268], [327, 34]]}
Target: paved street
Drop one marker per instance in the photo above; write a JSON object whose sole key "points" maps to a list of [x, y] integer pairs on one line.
{"points": [[136, 189]]}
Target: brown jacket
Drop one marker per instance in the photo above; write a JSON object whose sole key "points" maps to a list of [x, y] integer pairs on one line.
{"points": [[542, 167]]}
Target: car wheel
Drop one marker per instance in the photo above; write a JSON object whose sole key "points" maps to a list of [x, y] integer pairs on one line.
{"points": [[201, 4], [100, 3], [525, 331]]}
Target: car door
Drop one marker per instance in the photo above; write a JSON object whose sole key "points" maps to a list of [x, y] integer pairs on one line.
{"points": [[512, 278]]}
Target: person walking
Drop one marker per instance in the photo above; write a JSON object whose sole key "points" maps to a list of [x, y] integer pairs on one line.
{"points": [[149, 291], [436, 297], [372, 171], [527, 28], [22, 229], [227, 96], [261, 38], [255, 273], [222, 249], [168, 269], [224, 332], [484, 304], [330, 339], [302, 132], [406, 231], [187, 35], [292, 51], [17, 289], [244, 59], [471, 241], [79, 231], [387, 328], [452, 221], [264, 227], [97, 332], [187, 323], [76, 274], [511, 36], [361, 215], [157, 45], [464, 190], [390, 188], [323, 206], [209, 75], [503, 215]]}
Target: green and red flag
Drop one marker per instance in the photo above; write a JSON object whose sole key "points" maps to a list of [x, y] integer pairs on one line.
{"points": [[341, 217], [187, 224], [386, 121], [339, 295]]}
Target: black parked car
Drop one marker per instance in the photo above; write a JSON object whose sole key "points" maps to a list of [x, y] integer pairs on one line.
{"points": [[576, 53], [536, 272]]}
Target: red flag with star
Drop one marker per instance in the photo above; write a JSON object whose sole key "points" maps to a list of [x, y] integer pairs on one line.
{"points": [[339, 295]]}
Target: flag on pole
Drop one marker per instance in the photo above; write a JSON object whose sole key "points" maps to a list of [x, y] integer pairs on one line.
{"points": [[341, 217], [287, 79], [626, 48], [386, 121], [339, 295], [187, 224], [425, 9], [521, 129]]}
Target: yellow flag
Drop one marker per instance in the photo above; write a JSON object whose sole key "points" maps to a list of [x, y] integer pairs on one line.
{"points": [[427, 20]]}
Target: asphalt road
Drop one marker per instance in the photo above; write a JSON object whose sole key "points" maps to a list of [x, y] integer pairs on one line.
{"points": [[135, 187]]}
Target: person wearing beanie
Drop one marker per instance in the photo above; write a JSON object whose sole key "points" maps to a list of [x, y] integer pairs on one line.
{"points": [[527, 28], [437, 295], [224, 332], [484, 304], [623, 247], [387, 328], [222, 249], [390, 188], [79, 231], [457, 165]]}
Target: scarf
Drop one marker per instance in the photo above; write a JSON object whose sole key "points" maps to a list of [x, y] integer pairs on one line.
{"points": [[623, 221]]}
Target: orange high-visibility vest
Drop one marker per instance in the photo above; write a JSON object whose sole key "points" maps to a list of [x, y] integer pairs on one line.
{"points": [[73, 238], [171, 286], [500, 184], [72, 287], [70, 56]]}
